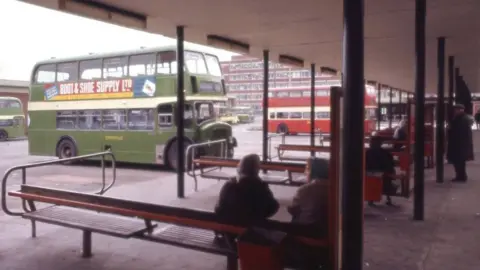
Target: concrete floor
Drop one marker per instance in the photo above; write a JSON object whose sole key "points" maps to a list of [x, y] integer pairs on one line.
{"points": [[447, 239]]}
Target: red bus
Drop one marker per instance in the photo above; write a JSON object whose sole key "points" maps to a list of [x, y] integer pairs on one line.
{"points": [[289, 112]]}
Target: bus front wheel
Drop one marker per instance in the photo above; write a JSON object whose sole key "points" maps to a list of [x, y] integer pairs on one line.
{"points": [[282, 128], [172, 156], [66, 149], [3, 135]]}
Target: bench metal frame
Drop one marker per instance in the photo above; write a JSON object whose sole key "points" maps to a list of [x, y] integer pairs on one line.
{"points": [[24, 168]]}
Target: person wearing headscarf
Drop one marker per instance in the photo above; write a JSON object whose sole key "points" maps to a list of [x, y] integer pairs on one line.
{"points": [[309, 206], [246, 199], [379, 160]]}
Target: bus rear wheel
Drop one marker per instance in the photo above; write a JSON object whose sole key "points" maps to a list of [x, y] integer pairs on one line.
{"points": [[282, 128], [66, 149], [172, 156], [3, 135]]}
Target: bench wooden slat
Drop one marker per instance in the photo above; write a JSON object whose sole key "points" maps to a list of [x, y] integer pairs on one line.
{"points": [[167, 214], [88, 220], [303, 147], [217, 175], [274, 166], [191, 238]]}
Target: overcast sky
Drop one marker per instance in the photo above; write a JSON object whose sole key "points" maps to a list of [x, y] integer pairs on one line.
{"points": [[29, 33]]}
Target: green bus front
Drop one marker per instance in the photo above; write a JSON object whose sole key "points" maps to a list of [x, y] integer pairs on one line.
{"points": [[12, 119], [125, 102], [244, 114]]}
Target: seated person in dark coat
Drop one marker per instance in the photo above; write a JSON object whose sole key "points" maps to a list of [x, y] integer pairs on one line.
{"points": [[247, 199], [309, 210], [309, 207], [379, 160]]}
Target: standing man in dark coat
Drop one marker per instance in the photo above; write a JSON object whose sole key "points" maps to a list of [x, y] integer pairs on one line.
{"points": [[460, 143]]}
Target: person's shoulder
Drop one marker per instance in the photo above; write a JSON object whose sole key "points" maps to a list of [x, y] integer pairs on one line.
{"points": [[232, 183]]}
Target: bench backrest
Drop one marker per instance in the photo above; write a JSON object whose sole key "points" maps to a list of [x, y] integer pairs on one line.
{"points": [[162, 213], [304, 147], [268, 165]]}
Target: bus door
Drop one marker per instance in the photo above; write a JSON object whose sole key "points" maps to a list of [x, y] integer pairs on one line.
{"points": [[130, 134]]}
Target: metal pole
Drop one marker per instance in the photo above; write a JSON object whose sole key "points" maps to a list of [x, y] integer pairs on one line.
{"points": [[440, 136], [180, 114], [420, 25], [451, 86], [265, 105], [352, 144], [390, 111], [312, 108], [400, 105], [379, 105]]}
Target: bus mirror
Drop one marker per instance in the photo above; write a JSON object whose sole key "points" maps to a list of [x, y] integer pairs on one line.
{"points": [[193, 81], [224, 87]]}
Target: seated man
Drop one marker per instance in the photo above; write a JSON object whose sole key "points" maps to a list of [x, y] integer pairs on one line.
{"points": [[379, 160], [309, 208], [247, 199]]}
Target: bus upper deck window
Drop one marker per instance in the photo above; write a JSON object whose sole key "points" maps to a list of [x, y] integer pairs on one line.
{"points": [[67, 72], [195, 63], [115, 67], [142, 64], [213, 65], [91, 69], [45, 73]]}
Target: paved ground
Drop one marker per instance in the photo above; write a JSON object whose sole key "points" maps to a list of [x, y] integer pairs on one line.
{"points": [[447, 239]]}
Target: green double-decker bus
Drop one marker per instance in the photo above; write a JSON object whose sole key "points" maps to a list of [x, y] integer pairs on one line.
{"points": [[244, 114], [125, 102], [12, 119]]}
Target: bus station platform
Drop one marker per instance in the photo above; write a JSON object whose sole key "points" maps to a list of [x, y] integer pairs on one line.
{"points": [[447, 239]]}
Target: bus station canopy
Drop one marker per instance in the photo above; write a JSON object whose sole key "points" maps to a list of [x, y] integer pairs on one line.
{"points": [[307, 30]]}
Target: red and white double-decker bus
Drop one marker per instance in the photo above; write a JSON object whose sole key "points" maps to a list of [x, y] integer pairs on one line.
{"points": [[289, 110]]}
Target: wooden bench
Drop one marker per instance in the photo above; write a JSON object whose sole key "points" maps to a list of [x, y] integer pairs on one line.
{"points": [[211, 168], [282, 148], [185, 228]]}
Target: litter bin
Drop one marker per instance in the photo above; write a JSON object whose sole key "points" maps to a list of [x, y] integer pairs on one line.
{"points": [[260, 249]]}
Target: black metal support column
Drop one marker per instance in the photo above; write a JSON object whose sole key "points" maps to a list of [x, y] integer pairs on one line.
{"points": [[400, 104], [419, 145], [312, 107], [352, 143], [379, 105], [456, 91], [265, 106], [440, 114], [180, 114], [390, 107], [451, 86]]}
